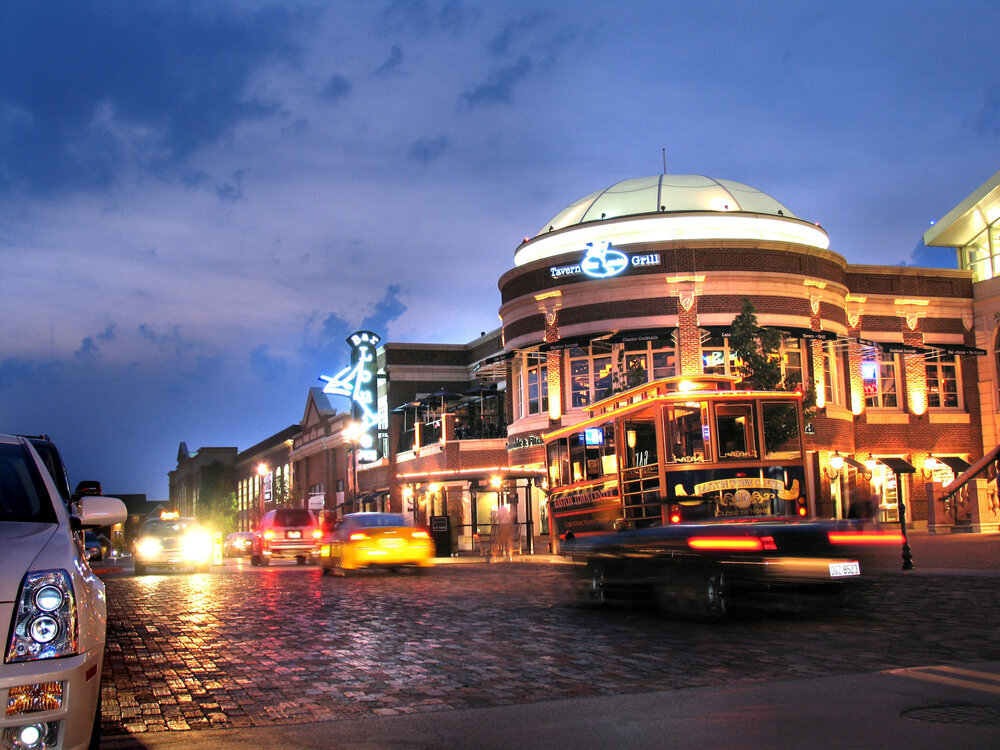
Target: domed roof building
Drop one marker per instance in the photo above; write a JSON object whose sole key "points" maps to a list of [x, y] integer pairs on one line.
{"points": [[647, 275]]}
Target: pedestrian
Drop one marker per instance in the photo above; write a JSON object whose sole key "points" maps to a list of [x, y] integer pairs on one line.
{"points": [[504, 532]]}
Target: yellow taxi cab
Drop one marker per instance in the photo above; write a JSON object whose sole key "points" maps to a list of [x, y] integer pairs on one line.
{"points": [[375, 540]]}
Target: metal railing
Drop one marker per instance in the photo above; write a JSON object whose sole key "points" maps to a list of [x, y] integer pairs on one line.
{"points": [[956, 496]]}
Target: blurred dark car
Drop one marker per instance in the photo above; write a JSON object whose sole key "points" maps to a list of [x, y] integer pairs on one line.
{"points": [[286, 533], [238, 544], [705, 568], [92, 546]]}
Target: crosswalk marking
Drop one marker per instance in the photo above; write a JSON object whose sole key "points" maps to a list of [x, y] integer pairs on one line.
{"points": [[986, 682]]}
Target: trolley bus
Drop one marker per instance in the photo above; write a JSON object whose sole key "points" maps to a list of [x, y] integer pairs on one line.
{"points": [[676, 450]]}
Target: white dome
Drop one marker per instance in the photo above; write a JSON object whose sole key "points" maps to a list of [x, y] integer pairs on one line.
{"points": [[667, 193]]}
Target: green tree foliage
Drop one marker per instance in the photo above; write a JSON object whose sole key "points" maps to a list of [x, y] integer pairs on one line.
{"points": [[757, 350], [216, 507]]}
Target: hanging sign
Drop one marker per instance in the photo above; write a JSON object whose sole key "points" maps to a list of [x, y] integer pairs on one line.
{"points": [[358, 383]]}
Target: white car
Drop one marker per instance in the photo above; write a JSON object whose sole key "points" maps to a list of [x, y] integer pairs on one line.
{"points": [[53, 610]]}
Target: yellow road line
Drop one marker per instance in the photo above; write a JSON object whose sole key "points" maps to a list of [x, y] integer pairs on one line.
{"points": [[982, 681]]}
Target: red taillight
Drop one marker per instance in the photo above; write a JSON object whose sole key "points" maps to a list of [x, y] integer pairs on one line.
{"points": [[418, 534], [359, 536], [726, 543], [675, 514], [317, 533], [269, 535], [865, 537], [767, 542], [803, 510]]}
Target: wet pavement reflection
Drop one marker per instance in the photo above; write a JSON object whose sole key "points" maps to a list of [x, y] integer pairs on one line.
{"points": [[245, 646]]}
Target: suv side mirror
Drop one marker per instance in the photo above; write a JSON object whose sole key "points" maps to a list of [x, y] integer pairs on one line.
{"points": [[87, 488], [94, 511]]}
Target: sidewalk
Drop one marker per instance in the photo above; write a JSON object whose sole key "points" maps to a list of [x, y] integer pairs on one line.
{"points": [[932, 554]]}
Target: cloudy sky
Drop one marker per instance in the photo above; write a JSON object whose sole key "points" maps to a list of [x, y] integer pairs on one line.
{"points": [[200, 200]]}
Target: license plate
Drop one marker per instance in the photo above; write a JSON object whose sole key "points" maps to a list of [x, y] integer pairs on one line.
{"points": [[293, 535], [842, 569]]}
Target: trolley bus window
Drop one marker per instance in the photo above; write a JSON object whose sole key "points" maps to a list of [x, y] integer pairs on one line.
{"points": [[558, 460], [781, 430], [640, 443], [734, 426], [687, 432], [592, 453]]}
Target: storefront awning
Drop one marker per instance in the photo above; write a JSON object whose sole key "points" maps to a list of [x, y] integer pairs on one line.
{"points": [[806, 333], [957, 464], [893, 347], [898, 465], [856, 464], [640, 335], [957, 349], [573, 342]]}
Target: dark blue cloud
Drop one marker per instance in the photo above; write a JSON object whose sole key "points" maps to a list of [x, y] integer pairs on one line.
{"points": [[513, 31], [426, 150], [85, 84], [335, 89], [266, 367], [231, 193], [391, 66], [386, 310], [933, 257], [498, 89]]}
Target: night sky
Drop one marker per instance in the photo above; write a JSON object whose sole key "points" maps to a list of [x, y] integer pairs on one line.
{"points": [[200, 200]]}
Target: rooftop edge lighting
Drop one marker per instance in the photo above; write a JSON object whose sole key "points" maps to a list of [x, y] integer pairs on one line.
{"points": [[739, 226]]}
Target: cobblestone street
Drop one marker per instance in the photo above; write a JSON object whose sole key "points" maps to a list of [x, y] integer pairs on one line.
{"points": [[245, 647]]}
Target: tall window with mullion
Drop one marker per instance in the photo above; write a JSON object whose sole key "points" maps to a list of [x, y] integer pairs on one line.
{"points": [[649, 360], [942, 382], [879, 375], [590, 376], [537, 390]]}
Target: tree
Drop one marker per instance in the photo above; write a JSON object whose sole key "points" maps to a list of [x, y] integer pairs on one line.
{"points": [[757, 351]]}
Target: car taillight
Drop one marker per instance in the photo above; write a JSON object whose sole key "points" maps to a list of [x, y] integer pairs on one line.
{"points": [[419, 534], [359, 536], [269, 535], [675, 514], [865, 537], [317, 533], [726, 543]]}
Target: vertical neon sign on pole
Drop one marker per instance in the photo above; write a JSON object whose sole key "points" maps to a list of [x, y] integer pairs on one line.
{"points": [[358, 383]]}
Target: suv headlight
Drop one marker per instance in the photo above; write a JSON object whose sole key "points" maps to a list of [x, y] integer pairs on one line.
{"points": [[148, 546], [197, 545], [44, 619]]}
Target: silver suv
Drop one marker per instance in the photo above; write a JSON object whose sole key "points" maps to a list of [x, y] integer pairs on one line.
{"points": [[52, 607], [286, 532]]}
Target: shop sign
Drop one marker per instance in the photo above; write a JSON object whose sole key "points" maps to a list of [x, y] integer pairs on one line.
{"points": [[602, 261], [358, 383]]}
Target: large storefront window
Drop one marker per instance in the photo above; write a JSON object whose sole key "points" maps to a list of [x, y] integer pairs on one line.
{"points": [[590, 376], [879, 373], [649, 360], [715, 356], [942, 382]]}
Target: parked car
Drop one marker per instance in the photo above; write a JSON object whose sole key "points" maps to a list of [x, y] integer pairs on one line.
{"points": [[52, 609], [172, 542], [370, 540], [238, 544], [92, 546], [286, 533]]}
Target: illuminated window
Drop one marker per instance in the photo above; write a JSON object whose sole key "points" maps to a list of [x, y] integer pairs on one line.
{"points": [[942, 382], [649, 360], [687, 430], [878, 374], [537, 387], [791, 360], [734, 428], [833, 382], [590, 376], [716, 359]]}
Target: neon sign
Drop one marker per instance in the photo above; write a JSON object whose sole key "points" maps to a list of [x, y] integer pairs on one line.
{"points": [[357, 382], [602, 261]]}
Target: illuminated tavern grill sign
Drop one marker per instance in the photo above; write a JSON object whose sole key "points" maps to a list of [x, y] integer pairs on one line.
{"points": [[603, 261], [358, 383]]}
